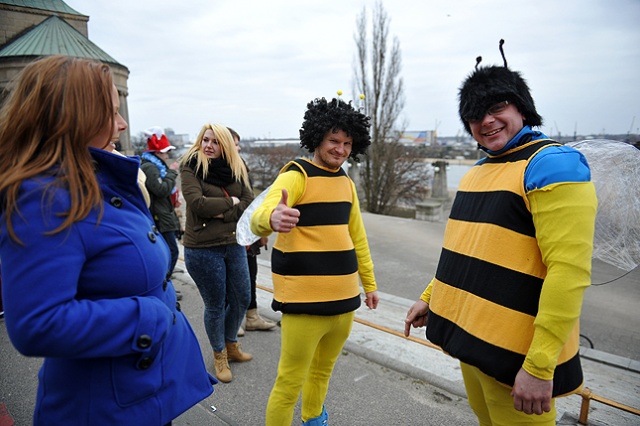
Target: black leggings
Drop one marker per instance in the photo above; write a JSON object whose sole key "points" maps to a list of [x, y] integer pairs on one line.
{"points": [[253, 275]]}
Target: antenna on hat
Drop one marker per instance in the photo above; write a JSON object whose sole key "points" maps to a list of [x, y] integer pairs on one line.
{"points": [[478, 60], [502, 53]]}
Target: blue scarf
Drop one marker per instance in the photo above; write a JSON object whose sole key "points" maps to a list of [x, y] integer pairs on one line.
{"points": [[150, 157], [526, 135]]}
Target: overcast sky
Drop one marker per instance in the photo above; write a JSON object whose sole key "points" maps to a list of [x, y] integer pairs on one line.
{"points": [[254, 64]]}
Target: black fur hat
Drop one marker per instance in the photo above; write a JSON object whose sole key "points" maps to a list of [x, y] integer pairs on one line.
{"points": [[487, 86]]}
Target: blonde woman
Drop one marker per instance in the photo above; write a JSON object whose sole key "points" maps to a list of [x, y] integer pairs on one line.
{"points": [[216, 188]]}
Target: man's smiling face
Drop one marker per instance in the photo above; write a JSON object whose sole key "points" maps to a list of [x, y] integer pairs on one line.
{"points": [[495, 130]]}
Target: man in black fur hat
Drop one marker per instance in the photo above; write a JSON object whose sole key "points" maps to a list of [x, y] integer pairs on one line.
{"points": [[516, 260]]}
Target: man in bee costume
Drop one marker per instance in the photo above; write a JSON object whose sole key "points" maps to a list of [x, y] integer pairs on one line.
{"points": [[318, 255], [516, 259]]}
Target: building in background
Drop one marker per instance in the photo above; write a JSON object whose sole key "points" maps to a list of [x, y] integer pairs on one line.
{"points": [[31, 29], [421, 137]]}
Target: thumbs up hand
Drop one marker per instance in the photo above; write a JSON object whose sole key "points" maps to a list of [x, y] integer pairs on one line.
{"points": [[285, 197], [284, 218]]}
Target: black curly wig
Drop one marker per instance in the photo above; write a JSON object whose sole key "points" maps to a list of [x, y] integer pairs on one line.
{"points": [[322, 116]]}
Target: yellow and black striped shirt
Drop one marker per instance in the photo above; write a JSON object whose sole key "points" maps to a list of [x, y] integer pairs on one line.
{"points": [[315, 267], [486, 292]]}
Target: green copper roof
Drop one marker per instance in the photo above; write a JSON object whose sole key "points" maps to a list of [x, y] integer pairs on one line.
{"points": [[50, 5], [54, 36]]}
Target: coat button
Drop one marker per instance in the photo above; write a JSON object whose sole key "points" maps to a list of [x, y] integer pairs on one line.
{"points": [[145, 363], [152, 236], [204, 225], [116, 202], [144, 341]]}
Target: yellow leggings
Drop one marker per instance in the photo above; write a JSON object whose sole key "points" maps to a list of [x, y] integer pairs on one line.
{"points": [[309, 350], [493, 404]]}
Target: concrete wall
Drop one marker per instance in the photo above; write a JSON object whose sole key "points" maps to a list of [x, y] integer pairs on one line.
{"points": [[120, 77]]}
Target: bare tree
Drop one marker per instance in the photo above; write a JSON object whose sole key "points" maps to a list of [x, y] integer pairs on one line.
{"points": [[389, 175], [139, 143], [265, 163]]}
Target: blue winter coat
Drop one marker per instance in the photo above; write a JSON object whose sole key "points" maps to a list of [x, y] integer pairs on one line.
{"points": [[93, 300]]}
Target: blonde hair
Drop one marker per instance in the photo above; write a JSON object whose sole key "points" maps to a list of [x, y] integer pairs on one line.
{"points": [[228, 150], [55, 107]]}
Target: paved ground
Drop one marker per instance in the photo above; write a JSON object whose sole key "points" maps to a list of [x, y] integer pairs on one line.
{"points": [[381, 378]]}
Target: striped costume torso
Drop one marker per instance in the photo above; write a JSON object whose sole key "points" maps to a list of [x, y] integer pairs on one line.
{"points": [[490, 275], [314, 267]]}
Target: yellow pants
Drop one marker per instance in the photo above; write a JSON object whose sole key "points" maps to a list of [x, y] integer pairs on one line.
{"points": [[309, 350], [493, 404]]}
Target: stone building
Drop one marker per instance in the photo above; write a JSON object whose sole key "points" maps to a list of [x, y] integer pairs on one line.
{"points": [[31, 29]]}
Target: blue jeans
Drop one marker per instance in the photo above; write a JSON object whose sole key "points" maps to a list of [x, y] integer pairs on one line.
{"points": [[222, 277]]}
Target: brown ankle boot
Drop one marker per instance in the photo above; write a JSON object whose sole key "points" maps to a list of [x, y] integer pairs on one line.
{"points": [[235, 354], [223, 372], [256, 322]]}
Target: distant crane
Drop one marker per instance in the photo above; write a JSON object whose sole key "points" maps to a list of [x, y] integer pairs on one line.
{"points": [[557, 130], [631, 127]]}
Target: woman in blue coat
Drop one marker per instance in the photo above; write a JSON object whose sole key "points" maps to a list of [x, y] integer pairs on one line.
{"points": [[83, 265]]}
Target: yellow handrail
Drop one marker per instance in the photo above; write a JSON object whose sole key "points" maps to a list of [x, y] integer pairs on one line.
{"points": [[587, 395]]}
